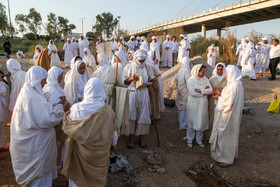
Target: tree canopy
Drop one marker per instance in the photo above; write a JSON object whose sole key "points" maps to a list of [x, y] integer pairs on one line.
{"points": [[105, 23]]}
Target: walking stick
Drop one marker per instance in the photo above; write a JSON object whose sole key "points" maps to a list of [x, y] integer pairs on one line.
{"points": [[114, 91]]}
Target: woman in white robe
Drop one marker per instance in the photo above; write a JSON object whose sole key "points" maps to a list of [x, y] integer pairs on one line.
{"points": [[122, 45], [3, 111], [68, 55], [55, 61], [182, 92], [89, 60], [33, 142], [155, 46], [249, 57], [167, 52], [211, 56], [120, 59], [139, 100], [38, 50], [74, 87], [105, 72], [16, 78], [72, 63], [144, 45], [240, 52], [182, 48], [130, 56], [74, 46], [197, 106], [224, 138]]}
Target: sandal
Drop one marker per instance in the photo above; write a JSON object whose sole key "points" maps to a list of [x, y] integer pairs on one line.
{"points": [[224, 165], [130, 146]]}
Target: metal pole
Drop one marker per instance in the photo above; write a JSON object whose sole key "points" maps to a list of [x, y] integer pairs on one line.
{"points": [[119, 17], [83, 25], [10, 19]]}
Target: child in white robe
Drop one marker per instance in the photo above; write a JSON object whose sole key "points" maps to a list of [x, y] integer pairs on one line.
{"points": [[197, 106]]}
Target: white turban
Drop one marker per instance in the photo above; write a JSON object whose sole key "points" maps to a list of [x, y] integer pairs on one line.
{"points": [[168, 36], [73, 38], [142, 37], [132, 37], [68, 39], [248, 38], [154, 37], [138, 38], [182, 36], [265, 38]]}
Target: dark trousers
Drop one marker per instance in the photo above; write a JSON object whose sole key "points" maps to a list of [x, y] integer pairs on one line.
{"points": [[272, 66]]}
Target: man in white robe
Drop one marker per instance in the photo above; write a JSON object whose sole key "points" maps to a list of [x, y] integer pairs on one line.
{"points": [[167, 52], [155, 46], [197, 107], [122, 45], [55, 61], [188, 47], [262, 58], [224, 138], [249, 60], [175, 49], [33, 143], [182, 92], [75, 47], [131, 44], [16, 79], [3, 113], [114, 47], [182, 48], [211, 56], [68, 55], [240, 52], [83, 43], [139, 100], [144, 45]]}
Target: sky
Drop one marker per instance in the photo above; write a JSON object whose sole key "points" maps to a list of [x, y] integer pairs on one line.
{"points": [[134, 14]]}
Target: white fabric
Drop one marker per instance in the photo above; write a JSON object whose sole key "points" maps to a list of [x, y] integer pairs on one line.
{"points": [[249, 62], [131, 45], [37, 54], [46, 180], [175, 47], [121, 66], [182, 50], [144, 45], [224, 138], [17, 81], [191, 133], [167, 53], [262, 57], [74, 87], [55, 61], [155, 46], [90, 61], [182, 119], [139, 100], [114, 48], [68, 54], [197, 105], [52, 87], [214, 73], [105, 72], [211, 58], [274, 51], [240, 51], [82, 45], [75, 47], [188, 48], [3, 103], [122, 45], [33, 141]]}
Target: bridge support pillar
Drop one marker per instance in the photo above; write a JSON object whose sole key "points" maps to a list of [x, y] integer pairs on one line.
{"points": [[203, 30], [219, 31]]}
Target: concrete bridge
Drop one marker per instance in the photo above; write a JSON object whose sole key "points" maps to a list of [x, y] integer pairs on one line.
{"points": [[220, 18]]}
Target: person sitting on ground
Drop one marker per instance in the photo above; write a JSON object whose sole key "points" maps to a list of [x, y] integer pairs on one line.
{"points": [[38, 50]]}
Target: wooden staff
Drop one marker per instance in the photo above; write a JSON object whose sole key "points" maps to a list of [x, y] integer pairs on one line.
{"points": [[114, 91]]}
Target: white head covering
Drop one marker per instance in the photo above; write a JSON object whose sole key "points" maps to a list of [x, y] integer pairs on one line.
{"points": [[13, 66], [94, 99], [168, 36], [103, 61], [194, 73], [154, 37], [88, 52], [121, 56], [73, 38], [52, 83], [143, 38], [151, 55], [38, 47], [233, 74], [248, 38], [182, 36], [68, 39], [34, 76], [132, 53], [186, 63], [138, 38], [132, 37], [251, 45], [220, 78], [140, 55]]}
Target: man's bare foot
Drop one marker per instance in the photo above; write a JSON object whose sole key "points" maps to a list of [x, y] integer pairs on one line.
{"points": [[224, 165]]}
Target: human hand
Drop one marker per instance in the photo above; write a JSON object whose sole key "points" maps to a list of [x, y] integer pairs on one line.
{"points": [[62, 100], [207, 87], [197, 90]]}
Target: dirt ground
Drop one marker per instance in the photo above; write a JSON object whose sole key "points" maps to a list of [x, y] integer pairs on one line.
{"points": [[258, 163]]}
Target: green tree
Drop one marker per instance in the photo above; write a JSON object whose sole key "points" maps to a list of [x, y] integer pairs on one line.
{"points": [[105, 23], [3, 19], [64, 27], [34, 21], [52, 25], [21, 20], [92, 35]]}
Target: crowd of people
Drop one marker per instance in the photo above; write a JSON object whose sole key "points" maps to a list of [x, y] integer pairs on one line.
{"points": [[77, 125]]}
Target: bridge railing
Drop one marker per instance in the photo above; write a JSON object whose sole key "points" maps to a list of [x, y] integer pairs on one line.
{"points": [[241, 3]]}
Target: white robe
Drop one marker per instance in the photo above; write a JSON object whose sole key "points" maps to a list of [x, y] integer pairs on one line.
{"points": [[75, 47], [122, 47], [197, 105], [188, 46], [155, 47], [68, 55], [33, 139], [106, 74], [120, 70], [182, 50], [17, 81], [82, 45], [131, 45], [167, 53], [224, 139], [262, 57], [90, 62], [250, 59], [145, 46], [211, 59], [55, 61]]}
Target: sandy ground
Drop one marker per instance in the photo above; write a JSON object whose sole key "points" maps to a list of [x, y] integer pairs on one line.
{"points": [[258, 163]]}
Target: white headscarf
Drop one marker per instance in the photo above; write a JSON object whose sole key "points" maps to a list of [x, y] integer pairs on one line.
{"points": [[233, 74], [154, 37], [13, 66], [168, 36], [138, 38], [194, 72], [186, 63], [88, 52], [182, 36], [38, 47], [34, 76], [151, 55], [248, 38], [94, 99], [141, 68], [52, 47], [121, 56], [140, 55], [214, 73], [73, 38], [103, 61]]}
